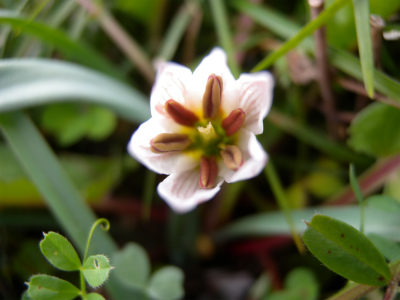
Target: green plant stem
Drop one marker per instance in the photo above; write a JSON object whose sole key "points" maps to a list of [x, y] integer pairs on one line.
{"points": [[62, 197], [357, 192], [280, 196], [393, 286], [302, 34], [105, 226], [121, 38], [149, 187], [224, 35]]}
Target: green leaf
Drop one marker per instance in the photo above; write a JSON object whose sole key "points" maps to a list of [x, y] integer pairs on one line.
{"points": [[346, 251], [300, 284], [376, 130], [102, 123], [361, 15], [60, 252], [31, 82], [166, 284], [25, 296], [389, 249], [44, 287], [78, 51], [132, 265], [96, 270], [95, 296]]}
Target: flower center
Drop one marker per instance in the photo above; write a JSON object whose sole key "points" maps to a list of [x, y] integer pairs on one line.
{"points": [[211, 137]]}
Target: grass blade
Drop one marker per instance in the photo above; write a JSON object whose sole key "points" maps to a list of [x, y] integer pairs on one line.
{"points": [[80, 52], [62, 197], [361, 15], [301, 35], [342, 60], [31, 82], [224, 35]]}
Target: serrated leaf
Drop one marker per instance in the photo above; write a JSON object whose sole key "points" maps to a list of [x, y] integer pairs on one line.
{"points": [[59, 251], [46, 287], [132, 265], [96, 270], [166, 284], [376, 130], [95, 296], [346, 251]]}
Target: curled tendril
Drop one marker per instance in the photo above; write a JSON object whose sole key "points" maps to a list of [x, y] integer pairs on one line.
{"points": [[105, 225]]}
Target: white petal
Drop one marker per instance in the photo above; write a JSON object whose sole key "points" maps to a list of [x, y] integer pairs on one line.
{"points": [[255, 93], [182, 191], [254, 157], [165, 163], [172, 82], [214, 63]]}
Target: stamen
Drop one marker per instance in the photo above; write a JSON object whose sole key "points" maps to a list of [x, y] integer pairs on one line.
{"points": [[234, 121], [208, 172], [232, 157], [180, 114], [168, 142], [212, 97]]}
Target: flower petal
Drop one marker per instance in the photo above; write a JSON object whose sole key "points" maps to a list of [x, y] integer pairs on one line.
{"points": [[171, 82], [182, 191], [254, 157], [255, 94], [214, 63], [164, 163]]}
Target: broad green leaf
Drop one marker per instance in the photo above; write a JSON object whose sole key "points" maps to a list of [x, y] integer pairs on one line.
{"points": [[346, 251], [361, 15], [166, 284], [31, 82], [102, 123], [96, 270], [60, 252], [381, 222], [95, 296], [376, 130], [44, 287], [389, 249], [78, 51], [384, 203], [132, 265], [300, 284]]}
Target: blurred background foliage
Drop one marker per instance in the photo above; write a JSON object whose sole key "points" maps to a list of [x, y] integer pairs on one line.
{"points": [[238, 245]]}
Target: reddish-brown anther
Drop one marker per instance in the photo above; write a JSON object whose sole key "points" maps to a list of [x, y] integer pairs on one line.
{"points": [[212, 97], [208, 172], [168, 142], [180, 114], [232, 123], [232, 157]]}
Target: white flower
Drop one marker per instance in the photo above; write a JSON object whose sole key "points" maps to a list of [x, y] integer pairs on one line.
{"points": [[202, 130]]}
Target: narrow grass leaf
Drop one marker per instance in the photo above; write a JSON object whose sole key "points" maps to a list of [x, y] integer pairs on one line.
{"points": [[342, 60], [78, 51], [51, 288], [301, 35], [222, 26], [62, 197], [96, 270], [30, 82], [59, 251], [346, 251], [361, 16], [166, 284]]}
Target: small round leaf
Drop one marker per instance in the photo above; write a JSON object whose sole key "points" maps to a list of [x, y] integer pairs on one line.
{"points": [[96, 270], [45, 287], [166, 284], [346, 251], [132, 265], [95, 296], [60, 252]]}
